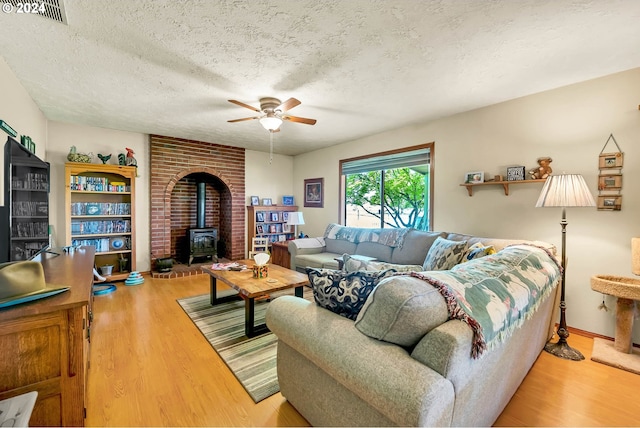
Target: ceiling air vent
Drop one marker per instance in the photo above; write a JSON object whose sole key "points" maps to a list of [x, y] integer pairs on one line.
{"points": [[52, 9]]}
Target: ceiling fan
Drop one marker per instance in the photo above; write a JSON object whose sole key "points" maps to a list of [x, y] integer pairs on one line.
{"points": [[274, 112]]}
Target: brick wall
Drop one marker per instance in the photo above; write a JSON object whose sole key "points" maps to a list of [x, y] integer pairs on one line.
{"points": [[176, 166]]}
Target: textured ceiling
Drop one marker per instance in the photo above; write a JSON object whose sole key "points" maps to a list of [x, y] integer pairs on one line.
{"points": [[359, 67]]}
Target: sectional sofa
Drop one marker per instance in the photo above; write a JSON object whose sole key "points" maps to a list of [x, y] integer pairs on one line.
{"points": [[413, 355]]}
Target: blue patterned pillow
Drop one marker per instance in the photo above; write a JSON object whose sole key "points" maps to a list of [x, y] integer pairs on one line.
{"points": [[444, 254], [344, 292]]}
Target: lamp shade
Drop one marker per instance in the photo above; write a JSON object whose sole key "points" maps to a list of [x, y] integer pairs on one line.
{"points": [[295, 218], [271, 123], [566, 190]]}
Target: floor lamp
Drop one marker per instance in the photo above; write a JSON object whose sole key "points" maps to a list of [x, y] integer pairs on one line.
{"points": [[566, 190], [295, 218]]}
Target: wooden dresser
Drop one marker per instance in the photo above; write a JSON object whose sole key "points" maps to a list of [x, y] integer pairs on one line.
{"points": [[44, 345]]}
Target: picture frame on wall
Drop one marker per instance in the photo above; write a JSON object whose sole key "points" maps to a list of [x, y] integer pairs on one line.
{"points": [[611, 160], [515, 173], [287, 201], [610, 182], [609, 202], [474, 177], [314, 192], [255, 200]]}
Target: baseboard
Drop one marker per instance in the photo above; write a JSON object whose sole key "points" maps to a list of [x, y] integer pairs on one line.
{"points": [[591, 335]]}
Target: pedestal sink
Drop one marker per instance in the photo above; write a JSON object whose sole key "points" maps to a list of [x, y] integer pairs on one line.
{"points": [[627, 290]]}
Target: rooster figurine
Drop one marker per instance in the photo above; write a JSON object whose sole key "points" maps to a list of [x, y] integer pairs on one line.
{"points": [[104, 158], [130, 160]]}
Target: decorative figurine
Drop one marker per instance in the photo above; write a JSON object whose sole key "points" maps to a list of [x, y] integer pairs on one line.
{"points": [[74, 156], [104, 158], [130, 160], [544, 170]]}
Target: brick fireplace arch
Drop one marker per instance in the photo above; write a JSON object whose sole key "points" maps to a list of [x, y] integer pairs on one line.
{"points": [[174, 162]]}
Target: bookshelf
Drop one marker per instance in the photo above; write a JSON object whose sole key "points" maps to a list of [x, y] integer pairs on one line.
{"points": [[100, 211], [25, 216], [269, 221]]}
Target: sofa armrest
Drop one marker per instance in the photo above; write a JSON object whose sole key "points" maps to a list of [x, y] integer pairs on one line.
{"points": [[298, 247], [382, 374]]}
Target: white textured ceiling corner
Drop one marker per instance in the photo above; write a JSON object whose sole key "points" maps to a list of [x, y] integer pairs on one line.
{"points": [[360, 67]]}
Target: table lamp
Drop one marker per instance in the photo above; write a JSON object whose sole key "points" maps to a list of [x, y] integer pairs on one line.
{"points": [[566, 190], [295, 218]]}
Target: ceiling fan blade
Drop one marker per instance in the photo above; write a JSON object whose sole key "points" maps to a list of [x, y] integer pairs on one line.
{"points": [[299, 119], [288, 105], [243, 119], [241, 104]]}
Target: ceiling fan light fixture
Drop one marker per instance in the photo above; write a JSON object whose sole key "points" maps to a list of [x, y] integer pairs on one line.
{"points": [[271, 123]]}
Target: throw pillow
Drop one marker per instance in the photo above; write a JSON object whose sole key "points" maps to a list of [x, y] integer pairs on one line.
{"points": [[477, 251], [402, 310], [354, 264], [343, 292], [444, 254]]}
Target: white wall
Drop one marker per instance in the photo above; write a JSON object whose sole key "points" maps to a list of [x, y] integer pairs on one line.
{"points": [[268, 179], [21, 113], [569, 124], [88, 139]]}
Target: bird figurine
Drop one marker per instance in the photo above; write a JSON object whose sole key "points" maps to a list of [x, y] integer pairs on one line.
{"points": [[130, 160], [121, 159], [104, 158]]}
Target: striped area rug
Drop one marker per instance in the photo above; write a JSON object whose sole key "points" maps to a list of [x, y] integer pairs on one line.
{"points": [[252, 361]]}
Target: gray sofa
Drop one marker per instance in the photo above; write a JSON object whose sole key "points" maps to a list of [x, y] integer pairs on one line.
{"points": [[335, 375], [325, 251]]}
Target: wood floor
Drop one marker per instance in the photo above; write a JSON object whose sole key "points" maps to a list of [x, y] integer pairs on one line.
{"points": [[150, 366]]}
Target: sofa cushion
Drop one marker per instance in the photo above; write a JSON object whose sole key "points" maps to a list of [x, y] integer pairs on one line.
{"points": [[355, 264], [415, 247], [340, 246], [372, 249], [320, 260], [343, 292], [401, 310], [444, 254], [477, 251]]}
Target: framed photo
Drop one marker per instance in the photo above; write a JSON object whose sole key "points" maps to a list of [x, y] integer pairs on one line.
{"points": [[286, 228], [287, 201], [272, 228], [314, 192], [285, 216], [474, 177], [259, 216], [274, 216], [515, 173], [610, 203], [266, 201], [255, 200], [259, 229], [611, 160], [610, 182]]}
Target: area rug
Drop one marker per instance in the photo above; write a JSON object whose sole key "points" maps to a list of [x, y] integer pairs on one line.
{"points": [[252, 360], [604, 352]]}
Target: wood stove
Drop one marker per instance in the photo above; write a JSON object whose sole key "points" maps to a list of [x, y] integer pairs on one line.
{"points": [[203, 241]]}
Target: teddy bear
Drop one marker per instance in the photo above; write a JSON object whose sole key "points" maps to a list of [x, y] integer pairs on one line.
{"points": [[544, 170]]}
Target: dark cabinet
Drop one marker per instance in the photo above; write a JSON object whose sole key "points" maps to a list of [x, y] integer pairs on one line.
{"points": [[25, 215]]}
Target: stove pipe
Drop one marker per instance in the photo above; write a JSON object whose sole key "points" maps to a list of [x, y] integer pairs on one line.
{"points": [[201, 200]]}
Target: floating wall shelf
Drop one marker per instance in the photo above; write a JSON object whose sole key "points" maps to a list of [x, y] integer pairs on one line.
{"points": [[505, 184]]}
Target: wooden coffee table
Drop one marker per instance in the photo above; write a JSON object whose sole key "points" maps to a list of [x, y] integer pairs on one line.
{"points": [[250, 288]]}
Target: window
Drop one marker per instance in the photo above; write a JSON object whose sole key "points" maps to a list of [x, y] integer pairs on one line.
{"points": [[390, 189]]}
